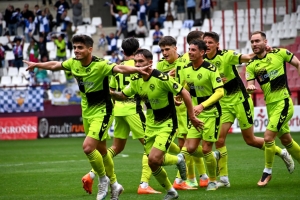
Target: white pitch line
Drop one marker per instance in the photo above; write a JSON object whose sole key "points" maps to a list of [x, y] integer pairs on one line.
{"points": [[40, 163]]}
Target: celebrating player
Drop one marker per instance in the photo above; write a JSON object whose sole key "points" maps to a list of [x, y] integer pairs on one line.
{"points": [[92, 75], [269, 71], [157, 90]]}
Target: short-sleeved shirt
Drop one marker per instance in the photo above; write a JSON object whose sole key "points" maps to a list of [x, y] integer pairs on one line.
{"points": [[158, 94], [133, 104], [269, 72], [61, 48], [201, 83], [235, 91], [164, 66], [93, 82]]}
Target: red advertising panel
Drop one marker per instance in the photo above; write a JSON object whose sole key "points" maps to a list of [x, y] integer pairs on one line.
{"points": [[18, 128]]}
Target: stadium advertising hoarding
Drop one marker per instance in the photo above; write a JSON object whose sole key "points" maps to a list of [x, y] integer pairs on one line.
{"points": [[18, 128], [60, 127], [261, 121]]}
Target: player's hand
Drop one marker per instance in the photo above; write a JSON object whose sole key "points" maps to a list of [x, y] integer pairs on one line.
{"points": [[198, 124], [31, 65], [198, 109], [268, 48], [144, 70], [177, 100], [172, 73], [250, 89]]}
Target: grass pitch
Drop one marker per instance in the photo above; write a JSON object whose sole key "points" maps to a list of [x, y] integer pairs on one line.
{"points": [[51, 169]]}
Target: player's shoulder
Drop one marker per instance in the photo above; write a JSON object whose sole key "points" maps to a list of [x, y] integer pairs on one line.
{"points": [[162, 60], [252, 61], [209, 66], [187, 66], [182, 60], [98, 60], [160, 75]]}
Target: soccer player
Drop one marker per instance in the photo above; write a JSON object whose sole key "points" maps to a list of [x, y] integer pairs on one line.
{"points": [[129, 116], [206, 89], [173, 62], [92, 75], [269, 71], [157, 90], [236, 103]]}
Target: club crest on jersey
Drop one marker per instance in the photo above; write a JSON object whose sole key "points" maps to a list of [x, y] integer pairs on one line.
{"points": [[269, 60], [218, 79], [218, 64], [88, 70], [152, 87], [199, 76]]}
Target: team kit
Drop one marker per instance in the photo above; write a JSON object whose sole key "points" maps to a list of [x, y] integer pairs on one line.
{"points": [[180, 110]]}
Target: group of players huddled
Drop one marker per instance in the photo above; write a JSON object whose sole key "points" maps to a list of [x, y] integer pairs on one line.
{"points": [[195, 97]]}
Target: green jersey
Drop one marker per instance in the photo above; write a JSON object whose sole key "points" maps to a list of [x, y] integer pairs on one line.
{"points": [[93, 82], [133, 104], [61, 48], [158, 94], [269, 72], [178, 64], [201, 83], [234, 89]]}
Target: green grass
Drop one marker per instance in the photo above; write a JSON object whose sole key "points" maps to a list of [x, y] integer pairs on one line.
{"points": [[52, 169]]}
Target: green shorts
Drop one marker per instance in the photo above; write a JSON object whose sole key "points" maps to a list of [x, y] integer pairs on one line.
{"points": [[159, 138], [211, 130], [279, 114], [182, 120], [97, 128], [243, 112], [134, 123]]}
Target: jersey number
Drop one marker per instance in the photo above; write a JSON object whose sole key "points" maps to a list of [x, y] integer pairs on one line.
{"points": [[122, 83]]}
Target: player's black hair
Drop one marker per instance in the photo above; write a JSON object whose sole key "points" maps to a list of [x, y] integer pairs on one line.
{"points": [[167, 41], [129, 46], [84, 39], [200, 44], [193, 35], [213, 35], [259, 32], [145, 52]]}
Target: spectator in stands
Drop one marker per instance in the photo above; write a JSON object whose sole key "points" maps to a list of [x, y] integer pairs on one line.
{"points": [[180, 4], [121, 21], [157, 20], [77, 12], [2, 56], [65, 20], [41, 75], [191, 9], [205, 6], [153, 6], [42, 44], [50, 19], [8, 17], [114, 58], [43, 23], [60, 6], [121, 7], [18, 45], [157, 35], [112, 43], [29, 28], [141, 30], [26, 13], [102, 42], [142, 8], [49, 1], [70, 34], [61, 53], [37, 10], [169, 16], [1, 24], [33, 51]]}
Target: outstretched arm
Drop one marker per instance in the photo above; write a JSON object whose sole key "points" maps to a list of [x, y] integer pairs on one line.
{"points": [[296, 63], [51, 65], [131, 70]]}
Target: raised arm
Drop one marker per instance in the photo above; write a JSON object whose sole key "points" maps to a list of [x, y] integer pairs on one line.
{"points": [[131, 70], [246, 57], [51, 65], [111, 10]]}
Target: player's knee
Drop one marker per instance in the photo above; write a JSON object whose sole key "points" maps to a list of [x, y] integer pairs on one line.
{"points": [[286, 139], [220, 143], [118, 149], [87, 149], [154, 161]]}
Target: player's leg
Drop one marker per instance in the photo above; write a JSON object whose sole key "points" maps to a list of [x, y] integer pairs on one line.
{"points": [[137, 123], [156, 145], [222, 162], [245, 114], [97, 133], [210, 135]]}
